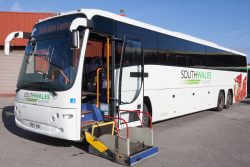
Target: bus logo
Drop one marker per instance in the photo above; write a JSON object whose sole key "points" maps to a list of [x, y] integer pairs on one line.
{"points": [[196, 77], [37, 97], [72, 100]]}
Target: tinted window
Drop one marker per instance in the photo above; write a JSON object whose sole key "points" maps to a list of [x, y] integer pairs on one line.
{"points": [[171, 44], [102, 24], [161, 49], [194, 48], [132, 53], [150, 57]]}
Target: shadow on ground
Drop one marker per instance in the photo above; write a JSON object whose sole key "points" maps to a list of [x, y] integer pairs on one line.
{"points": [[246, 101], [9, 123]]}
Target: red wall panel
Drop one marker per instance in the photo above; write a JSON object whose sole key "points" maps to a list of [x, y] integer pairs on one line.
{"points": [[18, 21]]}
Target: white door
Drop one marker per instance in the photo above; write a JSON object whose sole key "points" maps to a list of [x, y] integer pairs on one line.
{"points": [[131, 81]]}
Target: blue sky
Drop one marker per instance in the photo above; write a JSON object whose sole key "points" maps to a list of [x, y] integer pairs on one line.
{"points": [[225, 22]]}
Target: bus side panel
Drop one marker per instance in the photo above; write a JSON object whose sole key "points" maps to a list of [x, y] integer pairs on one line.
{"points": [[173, 95]]}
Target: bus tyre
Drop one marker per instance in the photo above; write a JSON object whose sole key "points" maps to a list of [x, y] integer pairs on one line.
{"points": [[221, 101], [229, 100], [146, 120]]}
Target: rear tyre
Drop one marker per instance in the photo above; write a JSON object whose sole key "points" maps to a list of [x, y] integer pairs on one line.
{"points": [[229, 100], [221, 101]]}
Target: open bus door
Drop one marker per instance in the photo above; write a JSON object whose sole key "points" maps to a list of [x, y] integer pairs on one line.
{"points": [[120, 89], [131, 86], [113, 78]]}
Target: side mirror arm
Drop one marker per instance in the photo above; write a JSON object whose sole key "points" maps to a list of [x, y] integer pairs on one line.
{"points": [[13, 35], [77, 23], [74, 34]]}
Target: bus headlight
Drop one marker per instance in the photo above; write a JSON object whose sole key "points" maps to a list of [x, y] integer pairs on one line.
{"points": [[67, 116]]}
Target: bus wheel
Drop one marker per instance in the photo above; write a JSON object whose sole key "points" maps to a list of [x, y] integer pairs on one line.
{"points": [[229, 100], [221, 101], [146, 120]]}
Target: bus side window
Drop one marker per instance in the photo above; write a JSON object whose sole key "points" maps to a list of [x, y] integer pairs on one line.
{"points": [[133, 53], [171, 60]]}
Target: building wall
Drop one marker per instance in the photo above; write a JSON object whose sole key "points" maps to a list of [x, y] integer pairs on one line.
{"points": [[10, 65], [18, 21], [9, 71]]}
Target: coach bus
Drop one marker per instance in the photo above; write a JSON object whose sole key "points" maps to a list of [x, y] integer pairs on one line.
{"points": [[113, 63]]}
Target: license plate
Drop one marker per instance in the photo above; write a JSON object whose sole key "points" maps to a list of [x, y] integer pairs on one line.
{"points": [[34, 125]]}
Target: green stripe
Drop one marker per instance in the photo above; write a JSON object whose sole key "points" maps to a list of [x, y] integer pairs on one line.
{"points": [[31, 100], [192, 81]]}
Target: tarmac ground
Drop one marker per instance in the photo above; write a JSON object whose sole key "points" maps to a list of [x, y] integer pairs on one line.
{"points": [[204, 139]]}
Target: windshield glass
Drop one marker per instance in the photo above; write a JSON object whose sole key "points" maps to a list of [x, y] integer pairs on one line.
{"points": [[49, 62]]}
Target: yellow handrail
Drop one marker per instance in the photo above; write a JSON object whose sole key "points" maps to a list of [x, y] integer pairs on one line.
{"points": [[108, 54], [98, 78], [98, 87]]}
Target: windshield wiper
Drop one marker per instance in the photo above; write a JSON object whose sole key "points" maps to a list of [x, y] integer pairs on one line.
{"points": [[38, 84]]}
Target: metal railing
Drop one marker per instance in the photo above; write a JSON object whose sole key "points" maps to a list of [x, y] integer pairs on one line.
{"points": [[138, 114], [116, 126]]}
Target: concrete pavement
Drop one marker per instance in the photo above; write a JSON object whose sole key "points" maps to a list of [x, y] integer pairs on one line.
{"points": [[204, 139]]}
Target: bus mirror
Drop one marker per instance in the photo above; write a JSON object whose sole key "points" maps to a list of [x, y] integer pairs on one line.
{"points": [[74, 39]]}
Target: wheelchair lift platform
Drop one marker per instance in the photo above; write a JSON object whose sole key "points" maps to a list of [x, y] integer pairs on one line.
{"points": [[126, 146]]}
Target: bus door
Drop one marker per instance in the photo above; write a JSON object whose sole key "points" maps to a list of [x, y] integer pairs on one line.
{"points": [[96, 81], [130, 94]]}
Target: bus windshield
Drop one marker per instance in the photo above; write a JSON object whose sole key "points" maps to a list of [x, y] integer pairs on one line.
{"points": [[49, 61]]}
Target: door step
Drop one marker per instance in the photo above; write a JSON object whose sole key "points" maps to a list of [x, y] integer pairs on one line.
{"points": [[86, 112], [90, 122]]}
